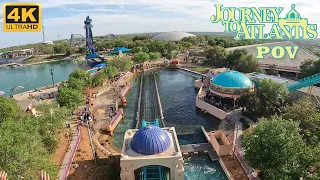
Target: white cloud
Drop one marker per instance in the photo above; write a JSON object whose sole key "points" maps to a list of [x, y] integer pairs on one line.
{"points": [[97, 10], [122, 7]]}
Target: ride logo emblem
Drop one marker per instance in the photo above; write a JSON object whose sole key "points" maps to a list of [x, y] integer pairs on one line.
{"points": [[22, 17], [250, 22]]}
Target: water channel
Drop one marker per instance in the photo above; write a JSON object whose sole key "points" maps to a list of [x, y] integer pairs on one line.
{"points": [[177, 95], [34, 76]]}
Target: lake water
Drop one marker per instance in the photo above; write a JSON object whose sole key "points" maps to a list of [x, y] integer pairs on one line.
{"points": [[34, 76]]}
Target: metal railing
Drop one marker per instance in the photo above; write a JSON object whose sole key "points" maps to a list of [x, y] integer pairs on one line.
{"points": [[73, 152]]}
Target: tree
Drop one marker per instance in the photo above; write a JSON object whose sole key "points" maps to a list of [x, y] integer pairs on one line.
{"points": [[136, 50], [76, 84], [70, 97], [122, 64], [82, 75], [268, 98], [28, 142], [272, 96], [306, 114], [171, 56], [154, 55], [276, 148], [8, 108], [140, 57], [145, 49], [69, 51], [110, 71], [98, 79], [251, 102], [309, 67], [216, 56], [81, 50], [248, 64], [157, 46], [234, 56], [272, 70]]}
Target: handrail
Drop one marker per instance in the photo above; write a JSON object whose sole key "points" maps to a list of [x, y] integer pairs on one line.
{"points": [[159, 101], [139, 102], [67, 169], [119, 80], [114, 118]]}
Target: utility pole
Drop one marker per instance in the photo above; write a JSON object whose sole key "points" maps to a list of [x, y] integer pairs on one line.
{"points": [[51, 70], [44, 39]]}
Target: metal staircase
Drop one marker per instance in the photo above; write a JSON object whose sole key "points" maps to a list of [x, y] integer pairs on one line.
{"points": [[153, 173], [305, 82]]}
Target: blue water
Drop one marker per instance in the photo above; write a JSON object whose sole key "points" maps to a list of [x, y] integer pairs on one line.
{"points": [[130, 111], [177, 95], [202, 168], [34, 76], [192, 139], [178, 99]]}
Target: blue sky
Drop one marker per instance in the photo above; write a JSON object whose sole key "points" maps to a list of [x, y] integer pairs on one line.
{"points": [[65, 17]]}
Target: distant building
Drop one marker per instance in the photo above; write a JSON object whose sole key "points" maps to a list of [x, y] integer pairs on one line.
{"points": [[15, 57], [172, 36], [285, 66], [47, 42]]}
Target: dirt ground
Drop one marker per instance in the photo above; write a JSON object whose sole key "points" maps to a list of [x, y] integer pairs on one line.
{"points": [[63, 145], [234, 167], [83, 157]]}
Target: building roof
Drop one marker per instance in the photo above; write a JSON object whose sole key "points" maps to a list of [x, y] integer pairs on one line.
{"points": [[302, 54], [172, 36], [24, 104], [122, 49], [150, 140], [232, 79]]}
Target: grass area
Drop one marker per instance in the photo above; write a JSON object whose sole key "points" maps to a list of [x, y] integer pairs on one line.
{"points": [[202, 69], [40, 59]]}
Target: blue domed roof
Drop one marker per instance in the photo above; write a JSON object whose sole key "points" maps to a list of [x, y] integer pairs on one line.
{"points": [[150, 140], [232, 79]]}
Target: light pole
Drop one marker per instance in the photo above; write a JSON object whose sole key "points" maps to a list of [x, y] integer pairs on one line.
{"points": [[51, 71]]}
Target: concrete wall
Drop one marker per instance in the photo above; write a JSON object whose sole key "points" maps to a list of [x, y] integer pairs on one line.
{"points": [[208, 107], [222, 150], [296, 95], [198, 83]]}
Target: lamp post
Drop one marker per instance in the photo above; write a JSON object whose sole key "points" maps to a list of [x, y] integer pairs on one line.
{"points": [[51, 71]]}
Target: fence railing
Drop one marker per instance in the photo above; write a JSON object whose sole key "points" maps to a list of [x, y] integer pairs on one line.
{"points": [[248, 170], [73, 151]]}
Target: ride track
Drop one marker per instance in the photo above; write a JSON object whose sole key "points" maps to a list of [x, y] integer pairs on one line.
{"points": [[149, 113], [149, 105]]}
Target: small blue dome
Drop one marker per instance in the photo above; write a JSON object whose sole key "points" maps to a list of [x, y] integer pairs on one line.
{"points": [[232, 79], [150, 140]]}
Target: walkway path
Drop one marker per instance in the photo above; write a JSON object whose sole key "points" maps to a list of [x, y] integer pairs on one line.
{"points": [[74, 140], [239, 150]]}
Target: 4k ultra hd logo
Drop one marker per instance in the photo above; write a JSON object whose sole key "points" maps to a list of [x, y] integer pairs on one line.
{"points": [[22, 17], [249, 23]]}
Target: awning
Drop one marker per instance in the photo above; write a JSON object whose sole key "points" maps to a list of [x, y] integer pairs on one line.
{"points": [[24, 104]]}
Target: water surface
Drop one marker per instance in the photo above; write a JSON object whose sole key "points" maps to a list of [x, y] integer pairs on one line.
{"points": [[34, 76]]}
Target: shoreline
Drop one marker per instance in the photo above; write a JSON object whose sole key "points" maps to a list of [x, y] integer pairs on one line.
{"points": [[44, 62]]}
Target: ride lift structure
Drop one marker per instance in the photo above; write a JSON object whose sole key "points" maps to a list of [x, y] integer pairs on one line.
{"points": [[307, 82]]}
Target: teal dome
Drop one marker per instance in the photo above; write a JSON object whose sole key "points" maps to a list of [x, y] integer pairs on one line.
{"points": [[232, 79]]}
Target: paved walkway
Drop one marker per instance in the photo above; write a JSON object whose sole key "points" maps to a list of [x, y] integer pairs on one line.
{"points": [[239, 150], [69, 155]]}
